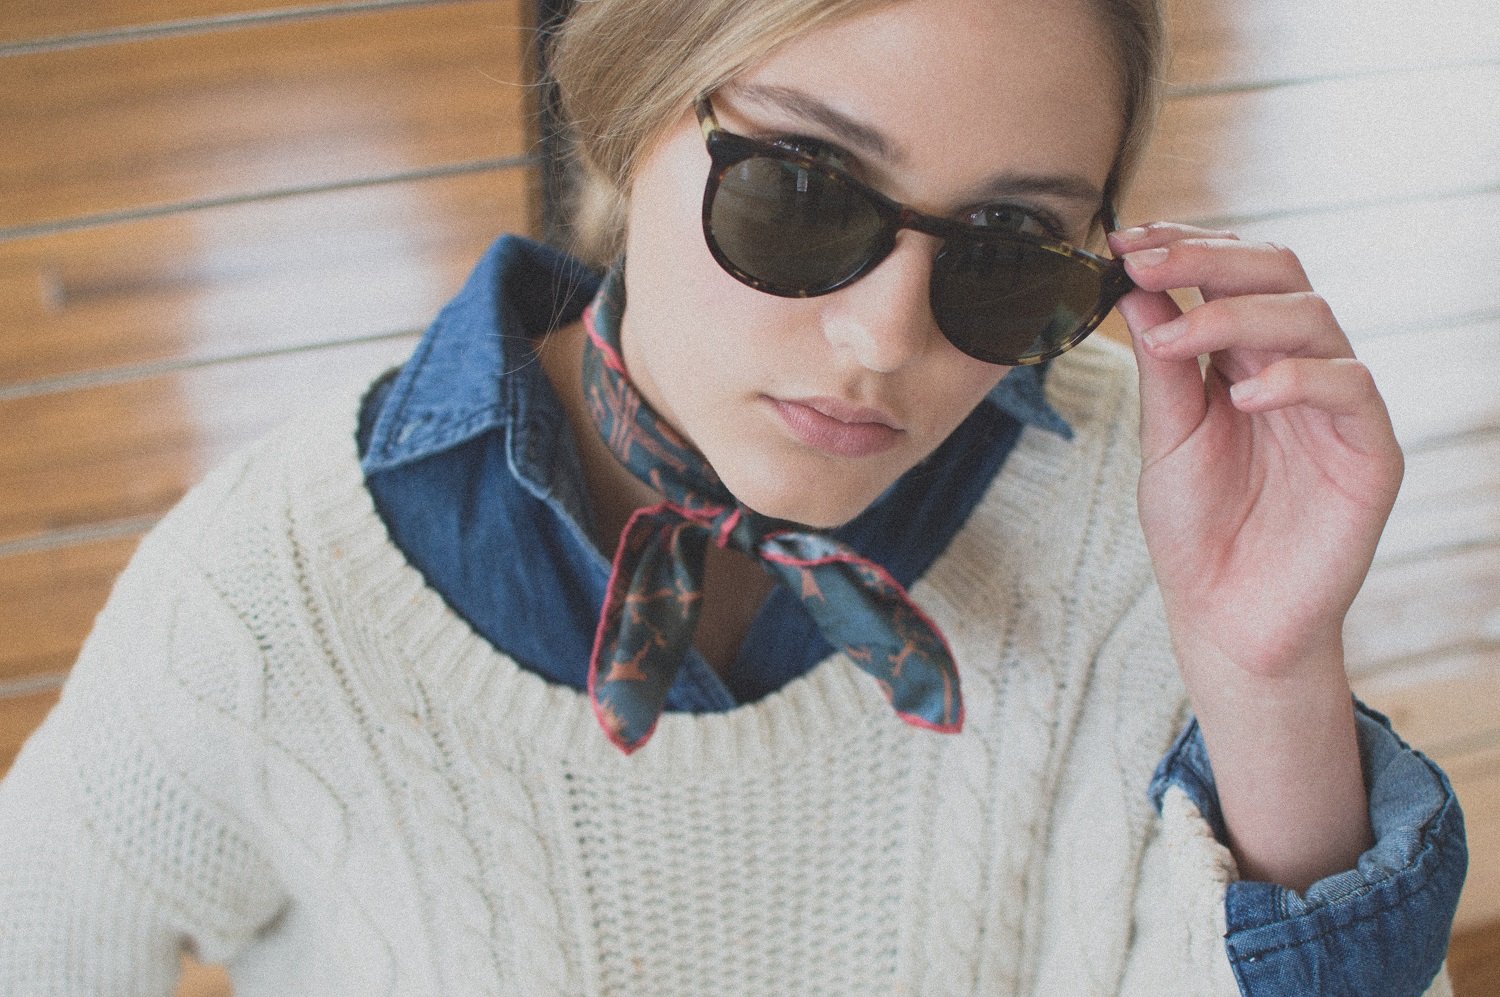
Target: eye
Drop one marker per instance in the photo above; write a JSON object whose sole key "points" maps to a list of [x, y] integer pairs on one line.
{"points": [[1016, 218]]}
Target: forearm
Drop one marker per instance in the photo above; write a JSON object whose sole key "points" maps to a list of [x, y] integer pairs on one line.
{"points": [[1286, 766]]}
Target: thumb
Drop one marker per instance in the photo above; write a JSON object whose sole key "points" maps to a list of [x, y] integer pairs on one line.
{"points": [[1173, 402]]}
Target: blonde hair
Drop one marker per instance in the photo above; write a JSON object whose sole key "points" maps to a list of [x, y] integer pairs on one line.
{"points": [[626, 70]]}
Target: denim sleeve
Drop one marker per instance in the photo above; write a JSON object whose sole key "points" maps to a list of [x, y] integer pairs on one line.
{"points": [[1379, 928]]}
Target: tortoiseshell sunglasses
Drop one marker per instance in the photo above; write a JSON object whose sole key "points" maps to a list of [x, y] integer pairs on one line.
{"points": [[789, 223]]}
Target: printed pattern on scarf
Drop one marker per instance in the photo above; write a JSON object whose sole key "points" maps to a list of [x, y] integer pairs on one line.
{"points": [[655, 588]]}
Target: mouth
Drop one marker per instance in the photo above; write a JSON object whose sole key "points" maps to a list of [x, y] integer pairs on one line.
{"points": [[837, 427]]}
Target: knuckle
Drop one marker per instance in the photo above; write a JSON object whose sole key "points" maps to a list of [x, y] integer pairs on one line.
{"points": [[1286, 377], [1283, 256], [1321, 309], [1204, 320], [1359, 375], [1319, 305]]}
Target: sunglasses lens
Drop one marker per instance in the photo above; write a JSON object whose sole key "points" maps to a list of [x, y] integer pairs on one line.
{"points": [[792, 229], [1009, 302]]}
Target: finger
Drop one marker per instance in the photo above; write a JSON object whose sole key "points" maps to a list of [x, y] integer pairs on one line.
{"points": [[1220, 268], [1341, 387], [1300, 324], [1155, 234], [1172, 398]]}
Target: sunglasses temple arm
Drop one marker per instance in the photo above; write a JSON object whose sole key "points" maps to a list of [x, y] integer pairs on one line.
{"points": [[1118, 280], [1109, 218]]}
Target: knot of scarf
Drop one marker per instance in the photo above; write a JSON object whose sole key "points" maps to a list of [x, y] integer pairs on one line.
{"points": [[655, 588]]}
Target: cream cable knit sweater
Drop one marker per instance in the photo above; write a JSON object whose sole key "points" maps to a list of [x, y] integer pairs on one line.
{"points": [[281, 749]]}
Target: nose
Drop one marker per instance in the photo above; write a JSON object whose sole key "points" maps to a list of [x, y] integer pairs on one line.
{"points": [[884, 320]]}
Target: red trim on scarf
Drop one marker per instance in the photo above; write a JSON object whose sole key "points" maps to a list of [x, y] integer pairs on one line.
{"points": [[612, 599], [611, 358]]}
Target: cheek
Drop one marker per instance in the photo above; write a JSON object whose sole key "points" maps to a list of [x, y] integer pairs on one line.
{"points": [[696, 341], [953, 386]]}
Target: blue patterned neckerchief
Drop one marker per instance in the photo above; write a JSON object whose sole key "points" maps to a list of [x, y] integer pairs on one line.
{"points": [[656, 585]]}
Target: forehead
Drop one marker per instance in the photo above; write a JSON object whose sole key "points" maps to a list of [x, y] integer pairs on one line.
{"points": [[959, 88]]}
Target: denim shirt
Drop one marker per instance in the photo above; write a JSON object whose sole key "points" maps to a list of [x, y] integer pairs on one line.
{"points": [[462, 462], [475, 472]]}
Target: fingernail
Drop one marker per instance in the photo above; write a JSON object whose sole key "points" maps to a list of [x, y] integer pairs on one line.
{"points": [[1131, 234], [1165, 334], [1243, 392], [1146, 257]]}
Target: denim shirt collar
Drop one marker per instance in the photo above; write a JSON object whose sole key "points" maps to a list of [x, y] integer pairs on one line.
{"points": [[475, 371]]}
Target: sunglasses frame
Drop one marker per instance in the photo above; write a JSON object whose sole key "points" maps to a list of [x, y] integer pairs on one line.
{"points": [[726, 149]]}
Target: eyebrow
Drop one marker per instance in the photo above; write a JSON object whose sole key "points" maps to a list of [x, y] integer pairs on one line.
{"points": [[1068, 186], [805, 105]]}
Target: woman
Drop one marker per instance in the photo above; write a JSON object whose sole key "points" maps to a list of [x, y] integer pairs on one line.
{"points": [[793, 463]]}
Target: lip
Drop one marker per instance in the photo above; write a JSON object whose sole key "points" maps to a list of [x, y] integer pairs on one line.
{"points": [[837, 427]]}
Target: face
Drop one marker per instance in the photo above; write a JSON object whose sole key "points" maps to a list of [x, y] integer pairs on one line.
{"points": [[809, 409]]}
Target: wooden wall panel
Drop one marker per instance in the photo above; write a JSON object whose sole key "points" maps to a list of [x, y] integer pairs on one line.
{"points": [[1446, 709], [259, 109], [1440, 381], [1446, 704], [1322, 145], [127, 450], [48, 601], [20, 713], [30, 21], [1407, 266], [1476, 779], [1231, 43], [1445, 602], [1449, 500], [267, 275]]}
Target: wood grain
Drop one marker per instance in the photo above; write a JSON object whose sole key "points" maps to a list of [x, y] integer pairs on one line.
{"points": [[1393, 267], [268, 275], [1440, 381], [125, 450], [199, 980], [1323, 145], [266, 108], [1445, 705], [19, 716], [1474, 961], [35, 20], [1450, 500], [1231, 43], [1444, 603], [48, 601], [1476, 780]]}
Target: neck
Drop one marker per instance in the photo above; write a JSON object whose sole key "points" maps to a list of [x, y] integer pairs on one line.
{"points": [[613, 492], [734, 585]]}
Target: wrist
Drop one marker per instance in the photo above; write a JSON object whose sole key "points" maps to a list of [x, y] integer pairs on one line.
{"points": [[1286, 766], [1273, 655]]}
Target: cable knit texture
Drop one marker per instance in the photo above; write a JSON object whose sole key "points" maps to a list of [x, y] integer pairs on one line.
{"points": [[281, 750]]}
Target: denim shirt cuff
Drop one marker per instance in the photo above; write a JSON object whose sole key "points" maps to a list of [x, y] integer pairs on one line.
{"points": [[1379, 928]]}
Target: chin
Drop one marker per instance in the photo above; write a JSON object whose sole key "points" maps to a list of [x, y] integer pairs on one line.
{"points": [[809, 499]]}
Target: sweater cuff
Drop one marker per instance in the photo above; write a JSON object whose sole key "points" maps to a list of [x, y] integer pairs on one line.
{"points": [[1381, 927]]}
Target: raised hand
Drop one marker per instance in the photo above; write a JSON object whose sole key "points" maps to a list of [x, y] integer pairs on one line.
{"points": [[1267, 476]]}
